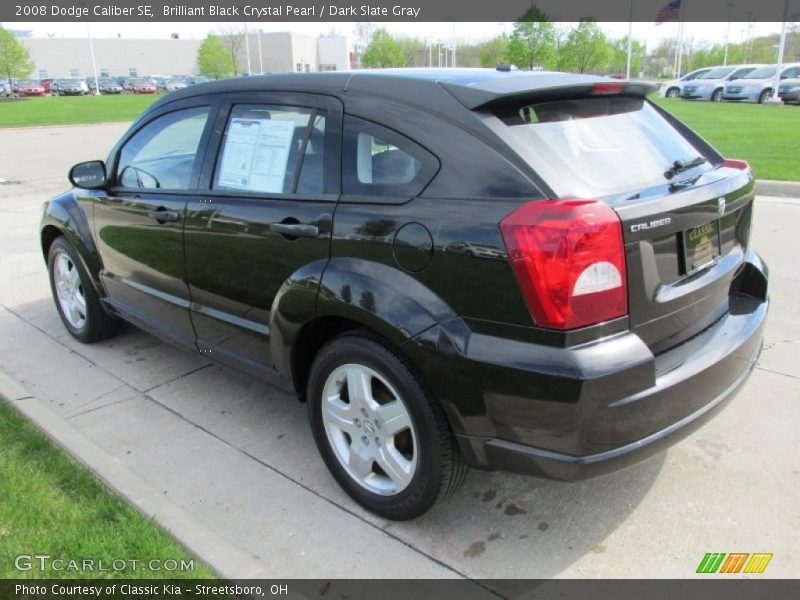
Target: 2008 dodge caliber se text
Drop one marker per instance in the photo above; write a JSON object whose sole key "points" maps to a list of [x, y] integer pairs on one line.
{"points": [[537, 272]]}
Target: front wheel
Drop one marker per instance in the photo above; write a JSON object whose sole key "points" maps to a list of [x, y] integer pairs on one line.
{"points": [[380, 431], [673, 92], [716, 96], [76, 300], [764, 96]]}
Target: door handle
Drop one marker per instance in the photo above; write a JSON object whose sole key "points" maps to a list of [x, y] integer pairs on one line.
{"points": [[295, 230], [163, 215]]}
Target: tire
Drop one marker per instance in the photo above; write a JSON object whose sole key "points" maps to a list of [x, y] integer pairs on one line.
{"points": [[716, 96], [764, 96], [672, 92], [419, 449], [88, 322]]}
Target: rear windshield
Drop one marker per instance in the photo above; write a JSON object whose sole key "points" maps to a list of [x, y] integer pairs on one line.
{"points": [[594, 147]]}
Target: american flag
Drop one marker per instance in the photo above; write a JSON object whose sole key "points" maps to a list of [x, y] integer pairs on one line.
{"points": [[669, 12]]}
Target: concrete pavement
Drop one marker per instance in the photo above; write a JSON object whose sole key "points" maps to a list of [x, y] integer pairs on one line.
{"points": [[236, 459]]}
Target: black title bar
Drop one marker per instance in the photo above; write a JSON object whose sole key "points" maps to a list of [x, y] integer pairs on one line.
{"points": [[391, 10]]}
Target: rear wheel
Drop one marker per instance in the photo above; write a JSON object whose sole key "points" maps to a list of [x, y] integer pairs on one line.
{"points": [[381, 433], [673, 92], [76, 300], [764, 96]]}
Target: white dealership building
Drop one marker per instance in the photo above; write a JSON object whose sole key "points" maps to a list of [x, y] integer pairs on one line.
{"points": [[269, 52]]}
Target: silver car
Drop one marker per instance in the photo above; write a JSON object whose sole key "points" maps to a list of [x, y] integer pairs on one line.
{"points": [[710, 86], [757, 85]]}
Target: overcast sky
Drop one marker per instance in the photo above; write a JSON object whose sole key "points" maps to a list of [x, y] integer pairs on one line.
{"points": [[712, 32]]}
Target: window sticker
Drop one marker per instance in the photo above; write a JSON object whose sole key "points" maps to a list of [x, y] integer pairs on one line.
{"points": [[256, 155]]}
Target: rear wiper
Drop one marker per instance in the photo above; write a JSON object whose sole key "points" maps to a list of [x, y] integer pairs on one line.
{"points": [[682, 165]]}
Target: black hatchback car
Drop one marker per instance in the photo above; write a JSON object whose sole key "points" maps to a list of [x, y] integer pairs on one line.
{"points": [[538, 272]]}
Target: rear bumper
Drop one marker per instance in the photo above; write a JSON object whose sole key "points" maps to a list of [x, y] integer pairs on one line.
{"points": [[574, 413]]}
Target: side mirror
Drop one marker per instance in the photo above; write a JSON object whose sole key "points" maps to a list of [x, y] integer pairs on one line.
{"points": [[89, 175], [784, 76]]}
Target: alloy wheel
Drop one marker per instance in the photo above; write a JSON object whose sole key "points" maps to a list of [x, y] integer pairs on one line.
{"points": [[369, 429], [69, 290]]}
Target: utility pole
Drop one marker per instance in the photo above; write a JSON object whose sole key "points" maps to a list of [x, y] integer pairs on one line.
{"points": [[94, 64]]}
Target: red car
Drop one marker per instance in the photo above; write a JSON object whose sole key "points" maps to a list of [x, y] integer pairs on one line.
{"points": [[30, 88], [143, 86], [47, 85]]}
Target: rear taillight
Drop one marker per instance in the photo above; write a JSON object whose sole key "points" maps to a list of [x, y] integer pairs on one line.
{"points": [[734, 163], [569, 259]]}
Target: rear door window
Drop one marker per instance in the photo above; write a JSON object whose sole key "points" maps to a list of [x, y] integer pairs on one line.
{"points": [[594, 147], [272, 150], [380, 162]]}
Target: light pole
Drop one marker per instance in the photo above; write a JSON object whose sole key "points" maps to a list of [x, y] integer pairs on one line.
{"points": [[727, 35], [260, 54], [94, 64], [247, 49], [776, 84]]}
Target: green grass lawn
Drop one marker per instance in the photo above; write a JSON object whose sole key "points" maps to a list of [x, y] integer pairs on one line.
{"points": [[51, 505], [768, 137], [72, 110]]}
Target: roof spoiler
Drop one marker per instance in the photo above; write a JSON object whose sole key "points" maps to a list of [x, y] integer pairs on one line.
{"points": [[481, 98]]}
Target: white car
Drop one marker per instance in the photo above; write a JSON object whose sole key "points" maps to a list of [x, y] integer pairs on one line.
{"points": [[672, 89], [710, 86]]}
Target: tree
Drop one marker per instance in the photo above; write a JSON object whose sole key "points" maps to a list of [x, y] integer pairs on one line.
{"points": [[413, 49], [232, 40], [533, 41], [213, 59], [619, 56], [494, 51], [383, 51], [377, 228], [586, 48], [15, 61]]}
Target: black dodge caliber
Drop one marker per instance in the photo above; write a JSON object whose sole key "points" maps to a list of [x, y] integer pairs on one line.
{"points": [[538, 272]]}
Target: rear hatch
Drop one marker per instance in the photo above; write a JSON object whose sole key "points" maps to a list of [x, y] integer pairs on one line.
{"points": [[685, 212]]}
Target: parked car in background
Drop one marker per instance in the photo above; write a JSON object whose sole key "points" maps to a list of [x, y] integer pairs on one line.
{"points": [[711, 85], [47, 85], [672, 89], [71, 86], [109, 86], [757, 85], [5, 89], [30, 88], [335, 243], [174, 84], [789, 91], [143, 86], [193, 79]]}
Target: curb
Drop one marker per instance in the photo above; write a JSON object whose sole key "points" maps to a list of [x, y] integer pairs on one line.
{"points": [[781, 189], [221, 556]]}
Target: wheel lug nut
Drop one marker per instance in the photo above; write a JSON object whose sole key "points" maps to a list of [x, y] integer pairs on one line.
{"points": [[365, 440], [377, 441], [364, 412], [377, 423], [356, 422]]}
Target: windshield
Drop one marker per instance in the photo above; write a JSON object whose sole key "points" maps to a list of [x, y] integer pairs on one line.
{"points": [[595, 147], [69, 82], [762, 73], [107, 82], [717, 73]]}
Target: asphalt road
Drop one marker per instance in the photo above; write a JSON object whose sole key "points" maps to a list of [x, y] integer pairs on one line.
{"points": [[237, 460]]}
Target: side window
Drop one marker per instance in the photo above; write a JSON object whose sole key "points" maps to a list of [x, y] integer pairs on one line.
{"points": [[162, 154], [380, 162], [273, 150]]}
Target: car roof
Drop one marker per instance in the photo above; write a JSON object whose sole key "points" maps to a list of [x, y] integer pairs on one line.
{"points": [[472, 87]]}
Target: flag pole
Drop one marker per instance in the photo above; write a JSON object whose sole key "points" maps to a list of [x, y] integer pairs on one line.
{"points": [[680, 37], [727, 35], [781, 47], [630, 41]]}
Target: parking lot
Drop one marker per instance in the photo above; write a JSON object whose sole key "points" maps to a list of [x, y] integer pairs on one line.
{"points": [[237, 458]]}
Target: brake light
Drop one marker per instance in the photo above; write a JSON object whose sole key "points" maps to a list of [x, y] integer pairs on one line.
{"points": [[610, 87], [569, 259]]}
